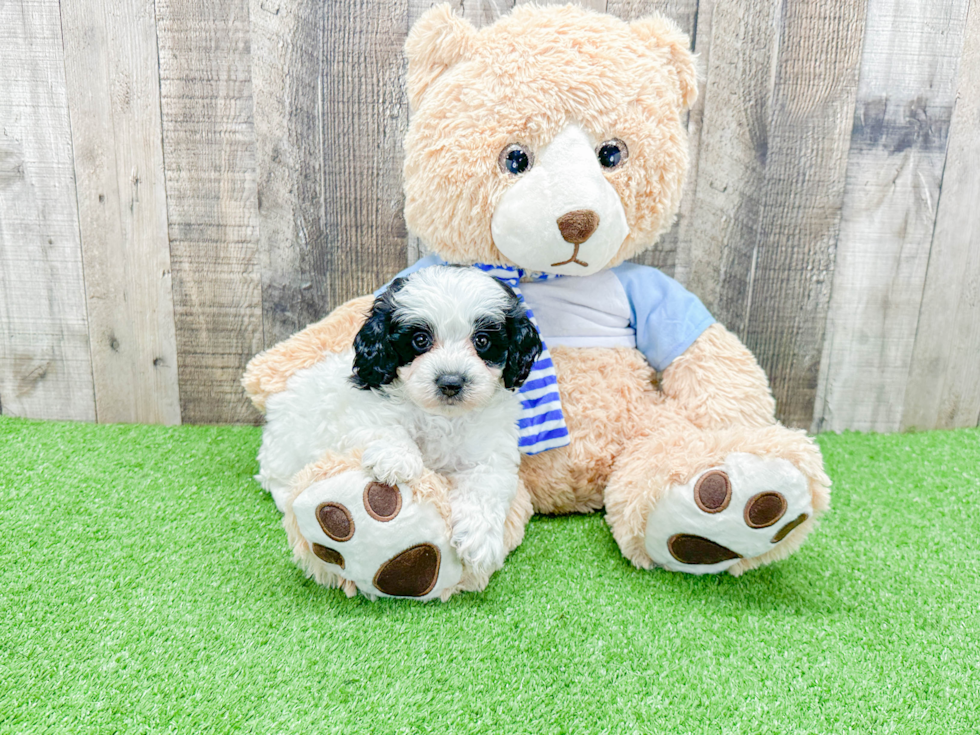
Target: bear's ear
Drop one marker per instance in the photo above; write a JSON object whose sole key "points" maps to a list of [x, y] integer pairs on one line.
{"points": [[437, 40], [657, 31]]}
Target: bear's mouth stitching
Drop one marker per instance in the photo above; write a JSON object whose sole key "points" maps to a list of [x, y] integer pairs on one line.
{"points": [[573, 259]]}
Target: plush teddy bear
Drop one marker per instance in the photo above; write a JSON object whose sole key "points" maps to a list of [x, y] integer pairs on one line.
{"points": [[549, 148]]}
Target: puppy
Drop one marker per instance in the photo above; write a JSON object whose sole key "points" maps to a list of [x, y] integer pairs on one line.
{"points": [[429, 384]]}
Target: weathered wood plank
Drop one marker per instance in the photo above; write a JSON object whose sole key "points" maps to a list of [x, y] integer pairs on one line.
{"points": [[114, 96], [669, 254], [331, 116], [209, 156], [45, 364], [898, 146], [943, 390], [770, 180]]}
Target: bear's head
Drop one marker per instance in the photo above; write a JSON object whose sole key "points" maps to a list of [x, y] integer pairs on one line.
{"points": [[552, 140]]}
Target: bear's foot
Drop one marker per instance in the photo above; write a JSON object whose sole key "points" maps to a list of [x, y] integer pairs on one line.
{"points": [[728, 515], [375, 536]]}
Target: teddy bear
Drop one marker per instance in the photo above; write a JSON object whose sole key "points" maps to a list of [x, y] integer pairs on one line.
{"points": [[549, 148]]}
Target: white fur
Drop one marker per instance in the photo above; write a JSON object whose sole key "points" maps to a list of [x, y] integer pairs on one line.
{"points": [[565, 177], [406, 426]]}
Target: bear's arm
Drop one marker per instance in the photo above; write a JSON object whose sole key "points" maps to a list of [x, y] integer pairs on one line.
{"points": [[713, 378], [268, 371], [717, 382]]}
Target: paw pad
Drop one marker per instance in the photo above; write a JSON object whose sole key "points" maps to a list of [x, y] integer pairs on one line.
{"points": [[377, 536], [764, 509], [727, 513], [713, 492], [690, 549], [412, 573], [382, 502], [785, 530], [335, 520], [330, 556]]}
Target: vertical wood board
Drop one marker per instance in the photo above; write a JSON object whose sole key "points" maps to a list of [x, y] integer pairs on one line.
{"points": [[209, 159], [45, 364], [780, 95], [805, 160], [331, 116], [114, 97], [943, 390], [898, 147]]}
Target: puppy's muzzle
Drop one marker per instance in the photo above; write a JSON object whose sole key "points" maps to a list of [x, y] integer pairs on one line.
{"points": [[450, 384]]}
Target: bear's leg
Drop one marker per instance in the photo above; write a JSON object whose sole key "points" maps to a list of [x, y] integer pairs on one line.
{"points": [[710, 501], [348, 530]]}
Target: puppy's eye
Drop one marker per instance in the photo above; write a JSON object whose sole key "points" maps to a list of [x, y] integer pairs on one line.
{"points": [[421, 341], [612, 153], [481, 342], [515, 159]]}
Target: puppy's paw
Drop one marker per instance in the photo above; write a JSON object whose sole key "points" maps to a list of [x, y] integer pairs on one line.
{"points": [[392, 464], [480, 547]]}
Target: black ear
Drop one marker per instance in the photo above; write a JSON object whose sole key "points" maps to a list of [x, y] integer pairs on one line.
{"points": [[524, 344], [375, 360]]}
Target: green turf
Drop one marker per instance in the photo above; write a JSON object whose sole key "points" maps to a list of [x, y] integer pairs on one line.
{"points": [[145, 586]]}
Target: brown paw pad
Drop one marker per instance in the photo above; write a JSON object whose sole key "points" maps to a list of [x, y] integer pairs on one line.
{"points": [[412, 573], [764, 509], [382, 502], [689, 549], [713, 491], [789, 527], [330, 556], [335, 520]]}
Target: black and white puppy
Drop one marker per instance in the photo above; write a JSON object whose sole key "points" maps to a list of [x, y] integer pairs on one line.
{"points": [[429, 384]]}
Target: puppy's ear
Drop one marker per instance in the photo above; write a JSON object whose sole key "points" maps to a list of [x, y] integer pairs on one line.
{"points": [[524, 345], [375, 360]]}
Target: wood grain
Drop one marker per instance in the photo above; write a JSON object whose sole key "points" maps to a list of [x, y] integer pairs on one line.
{"points": [[898, 147], [45, 364], [331, 118], [943, 389], [770, 180], [209, 155], [114, 96]]}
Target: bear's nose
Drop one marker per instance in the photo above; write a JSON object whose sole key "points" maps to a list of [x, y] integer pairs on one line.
{"points": [[450, 385], [577, 226]]}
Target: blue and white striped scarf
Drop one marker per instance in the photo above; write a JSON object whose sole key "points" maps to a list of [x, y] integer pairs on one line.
{"points": [[542, 424]]}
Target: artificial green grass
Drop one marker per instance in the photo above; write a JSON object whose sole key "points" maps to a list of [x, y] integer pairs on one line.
{"points": [[145, 586]]}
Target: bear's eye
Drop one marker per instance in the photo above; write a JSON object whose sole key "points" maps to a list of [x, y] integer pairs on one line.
{"points": [[515, 159], [612, 153]]}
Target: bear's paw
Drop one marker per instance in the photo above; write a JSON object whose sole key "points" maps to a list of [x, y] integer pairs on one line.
{"points": [[377, 536], [737, 511]]}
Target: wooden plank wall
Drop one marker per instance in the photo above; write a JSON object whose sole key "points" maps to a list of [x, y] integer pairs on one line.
{"points": [[186, 182]]}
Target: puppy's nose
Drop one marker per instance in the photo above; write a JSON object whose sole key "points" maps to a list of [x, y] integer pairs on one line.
{"points": [[451, 384], [577, 226]]}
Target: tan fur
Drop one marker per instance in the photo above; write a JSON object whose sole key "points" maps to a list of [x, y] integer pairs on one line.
{"points": [[523, 79], [269, 371], [604, 393], [718, 382]]}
